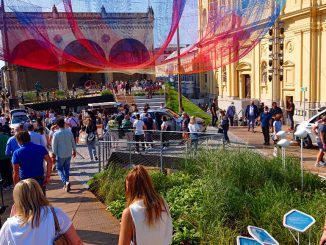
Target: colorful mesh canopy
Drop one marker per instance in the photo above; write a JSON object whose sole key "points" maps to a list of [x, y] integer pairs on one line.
{"points": [[131, 36]]}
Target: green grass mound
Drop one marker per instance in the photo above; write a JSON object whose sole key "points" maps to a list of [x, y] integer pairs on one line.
{"points": [[218, 194], [189, 107]]}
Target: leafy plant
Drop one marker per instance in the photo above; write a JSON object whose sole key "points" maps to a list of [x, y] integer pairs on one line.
{"points": [[216, 194], [106, 92]]}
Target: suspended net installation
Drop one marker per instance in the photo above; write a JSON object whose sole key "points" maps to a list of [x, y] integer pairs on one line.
{"points": [[132, 36]]}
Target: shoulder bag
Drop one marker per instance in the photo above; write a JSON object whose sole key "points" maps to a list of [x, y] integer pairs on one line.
{"points": [[59, 239]]}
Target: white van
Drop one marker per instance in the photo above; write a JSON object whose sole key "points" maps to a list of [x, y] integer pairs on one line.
{"points": [[310, 140]]}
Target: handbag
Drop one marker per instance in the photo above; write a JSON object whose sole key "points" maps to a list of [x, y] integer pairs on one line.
{"points": [[60, 239], [220, 131], [90, 137]]}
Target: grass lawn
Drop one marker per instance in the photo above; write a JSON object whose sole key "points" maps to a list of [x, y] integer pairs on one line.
{"points": [[189, 107]]}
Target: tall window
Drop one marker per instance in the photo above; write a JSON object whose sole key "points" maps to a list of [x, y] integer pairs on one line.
{"points": [[264, 73]]}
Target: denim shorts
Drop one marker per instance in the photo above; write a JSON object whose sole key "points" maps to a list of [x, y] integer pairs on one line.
{"points": [[320, 146]]}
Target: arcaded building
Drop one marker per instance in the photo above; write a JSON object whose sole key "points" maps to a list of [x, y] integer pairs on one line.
{"points": [[121, 29]]}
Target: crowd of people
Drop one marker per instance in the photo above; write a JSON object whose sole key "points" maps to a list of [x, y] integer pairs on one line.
{"points": [[270, 119], [27, 161]]}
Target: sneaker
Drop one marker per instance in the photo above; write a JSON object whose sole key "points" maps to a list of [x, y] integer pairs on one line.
{"points": [[67, 186], [320, 164], [137, 152], [164, 148]]}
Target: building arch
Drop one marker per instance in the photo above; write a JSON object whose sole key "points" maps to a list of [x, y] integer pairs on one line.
{"points": [[29, 53], [129, 52], [78, 49]]}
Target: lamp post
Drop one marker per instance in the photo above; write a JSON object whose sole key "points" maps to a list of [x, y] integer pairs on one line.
{"points": [[301, 134]]}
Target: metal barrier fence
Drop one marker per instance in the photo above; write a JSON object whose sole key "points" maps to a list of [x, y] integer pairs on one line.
{"points": [[155, 148]]}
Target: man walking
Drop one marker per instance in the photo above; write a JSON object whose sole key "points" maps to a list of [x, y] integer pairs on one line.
{"points": [[63, 147], [230, 113], [290, 113], [213, 109], [265, 117], [28, 161], [251, 115], [150, 126]]}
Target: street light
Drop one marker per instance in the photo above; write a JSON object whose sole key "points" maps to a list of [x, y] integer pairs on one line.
{"points": [[301, 134]]}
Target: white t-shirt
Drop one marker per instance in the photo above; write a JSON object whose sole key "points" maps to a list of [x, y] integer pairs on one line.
{"points": [[138, 125], [13, 233], [193, 128]]}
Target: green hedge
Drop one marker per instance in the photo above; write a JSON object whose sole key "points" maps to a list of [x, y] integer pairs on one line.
{"points": [[217, 194], [189, 107]]}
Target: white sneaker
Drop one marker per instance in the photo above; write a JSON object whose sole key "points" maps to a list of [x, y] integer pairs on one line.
{"points": [[164, 148]]}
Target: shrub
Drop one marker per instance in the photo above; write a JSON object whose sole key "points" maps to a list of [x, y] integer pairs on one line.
{"points": [[106, 92]]}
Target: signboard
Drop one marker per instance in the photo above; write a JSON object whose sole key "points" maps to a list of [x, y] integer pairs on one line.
{"points": [[298, 221], [241, 240], [262, 236]]}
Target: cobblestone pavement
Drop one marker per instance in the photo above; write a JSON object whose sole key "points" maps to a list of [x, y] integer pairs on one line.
{"points": [[94, 224]]}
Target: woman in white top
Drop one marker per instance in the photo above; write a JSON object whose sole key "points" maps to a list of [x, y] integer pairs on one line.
{"points": [[32, 220], [147, 219]]}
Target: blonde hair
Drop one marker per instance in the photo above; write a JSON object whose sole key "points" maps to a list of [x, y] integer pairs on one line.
{"points": [[29, 200], [192, 120], [139, 185]]}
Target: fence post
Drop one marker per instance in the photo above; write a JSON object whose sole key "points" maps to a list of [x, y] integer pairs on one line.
{"points": [[161, 151], [99, 156], [129, 144]]}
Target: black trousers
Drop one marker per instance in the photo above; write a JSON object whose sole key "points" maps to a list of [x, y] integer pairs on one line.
{"points": [[266, 134], [6, 172], [137, 139]]}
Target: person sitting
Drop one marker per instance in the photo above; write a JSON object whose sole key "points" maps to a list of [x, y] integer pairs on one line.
{"points": [[146, 217], [32, 219]]}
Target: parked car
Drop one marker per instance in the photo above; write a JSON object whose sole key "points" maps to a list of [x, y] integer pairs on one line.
{"points": [[19, 116], [310, 140], [174, 119]]}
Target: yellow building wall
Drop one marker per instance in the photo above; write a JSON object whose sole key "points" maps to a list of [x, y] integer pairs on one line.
{"points": [[304, 61]]}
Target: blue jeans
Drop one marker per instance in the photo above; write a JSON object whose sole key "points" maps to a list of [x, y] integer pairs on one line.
{"points": [[251, 120], [225, 135], [63, 167], [91, 145]]}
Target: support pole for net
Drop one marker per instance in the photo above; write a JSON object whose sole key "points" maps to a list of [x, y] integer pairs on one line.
{"points": [[179, 75]]}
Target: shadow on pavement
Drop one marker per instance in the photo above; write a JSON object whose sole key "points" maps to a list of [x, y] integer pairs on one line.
{"points": [[98, 238]]}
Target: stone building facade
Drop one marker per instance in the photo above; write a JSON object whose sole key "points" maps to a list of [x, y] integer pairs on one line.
{"points": [[137, 27]]}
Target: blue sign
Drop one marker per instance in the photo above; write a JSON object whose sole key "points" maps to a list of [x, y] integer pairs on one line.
{"points": [[262, 236], [241, 240], [298, 221]]}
